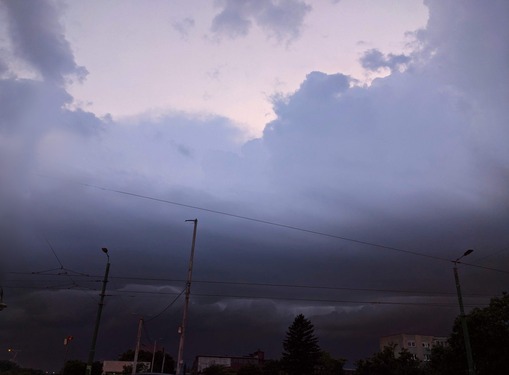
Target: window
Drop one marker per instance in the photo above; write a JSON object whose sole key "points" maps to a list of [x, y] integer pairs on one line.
{"points": [[411, 344]]}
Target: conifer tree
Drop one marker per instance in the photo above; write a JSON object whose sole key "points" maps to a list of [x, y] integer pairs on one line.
{"points": [[301, 350]]}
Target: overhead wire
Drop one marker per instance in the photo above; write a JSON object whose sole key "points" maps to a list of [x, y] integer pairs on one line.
{"points": [[167, 307], [282, 225], [266, 222], [286, 226], [269, 285], [434, 304]]}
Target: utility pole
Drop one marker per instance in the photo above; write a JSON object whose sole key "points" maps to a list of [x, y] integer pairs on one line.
{"points": [[182, 328], [466, 336], [91, 354], [136, 352]]}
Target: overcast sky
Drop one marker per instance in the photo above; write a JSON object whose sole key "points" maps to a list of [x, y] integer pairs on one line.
{"points": [[337, 155]]}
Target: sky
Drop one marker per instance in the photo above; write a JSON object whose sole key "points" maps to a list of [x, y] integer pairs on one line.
{"points": [[338, 156]]}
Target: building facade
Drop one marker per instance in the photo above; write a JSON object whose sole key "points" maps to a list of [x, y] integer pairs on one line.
{"points": [[201, 362], [418, 345]]}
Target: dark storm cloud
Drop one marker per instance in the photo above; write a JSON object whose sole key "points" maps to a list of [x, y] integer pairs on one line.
{"points": [[417, 162], [280, 19], [38, 38]]}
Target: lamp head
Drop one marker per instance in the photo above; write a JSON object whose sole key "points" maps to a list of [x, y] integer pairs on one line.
{"points": [[105, 250], [468, 252]]}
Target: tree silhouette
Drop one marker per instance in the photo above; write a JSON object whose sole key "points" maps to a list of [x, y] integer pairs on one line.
{"points": [[386, 362], [301, 350], [489, 336]]}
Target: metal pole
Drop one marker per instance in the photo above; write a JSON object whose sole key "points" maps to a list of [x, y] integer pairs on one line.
{"points": [[182, 328], [153, 357], [91, 354], [466, 336], [164, 359], [137, 350]]}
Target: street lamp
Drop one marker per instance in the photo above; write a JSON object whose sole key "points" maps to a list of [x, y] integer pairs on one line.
{"points": [[466, 336], [91, 354]]}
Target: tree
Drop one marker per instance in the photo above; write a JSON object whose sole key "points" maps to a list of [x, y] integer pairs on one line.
{"points": [[271, 367], [387, 363], [146, 356], [301, 351], [489, 337], [329, 366]]}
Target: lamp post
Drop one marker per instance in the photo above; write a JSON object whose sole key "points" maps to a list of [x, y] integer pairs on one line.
{"points": [[91, 354], [466, 337]]}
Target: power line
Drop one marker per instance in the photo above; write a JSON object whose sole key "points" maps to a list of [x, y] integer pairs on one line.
{"points": [[281, 225], [286, 226], [167, 307], [265, 297], [267, 222], [333, 300], [273, 285]]}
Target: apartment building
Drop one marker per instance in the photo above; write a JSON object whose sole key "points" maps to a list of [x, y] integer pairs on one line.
{"points": [[418, 345]]}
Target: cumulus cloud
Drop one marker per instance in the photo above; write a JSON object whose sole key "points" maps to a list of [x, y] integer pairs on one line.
{"points": [[38, 38], [281, 19]]}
